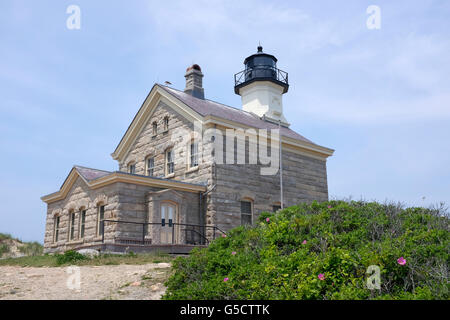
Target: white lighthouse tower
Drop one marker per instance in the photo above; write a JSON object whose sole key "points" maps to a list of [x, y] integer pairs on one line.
{"points": [[261, 86]]}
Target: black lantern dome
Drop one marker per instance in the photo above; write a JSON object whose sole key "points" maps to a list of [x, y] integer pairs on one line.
{"points": [[260, 67]]}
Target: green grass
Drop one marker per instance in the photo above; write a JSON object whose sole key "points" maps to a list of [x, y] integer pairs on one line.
{"points": [[4, 248], [27, 248], [103, 259], [5, 236]]}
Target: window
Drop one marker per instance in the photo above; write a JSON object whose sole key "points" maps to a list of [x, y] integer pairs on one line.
{"points": [[100, 218], [276, 207], [246, 212], [56, 230], [154, 128], [194, 155], [166, 123], [71, 226], [132, 168], [150, 166], [169, 162], [167, 214], [82, 223]]}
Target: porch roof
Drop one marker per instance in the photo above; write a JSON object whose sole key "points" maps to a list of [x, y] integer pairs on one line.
{"points": [[95, 178]]}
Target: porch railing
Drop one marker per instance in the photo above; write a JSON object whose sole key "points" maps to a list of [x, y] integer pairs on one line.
{"points": [[194, 234]]}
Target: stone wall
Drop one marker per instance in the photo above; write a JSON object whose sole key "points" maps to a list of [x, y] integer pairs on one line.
{"points": [[123, 202], [304, 180], [81, 197], [147, 145]]}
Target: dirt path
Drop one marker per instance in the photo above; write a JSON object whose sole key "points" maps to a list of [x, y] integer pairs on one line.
{"points": [[141, 282]]}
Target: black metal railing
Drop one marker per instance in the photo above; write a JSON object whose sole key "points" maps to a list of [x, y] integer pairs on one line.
{"points": [[261, 72], [193, 234]]}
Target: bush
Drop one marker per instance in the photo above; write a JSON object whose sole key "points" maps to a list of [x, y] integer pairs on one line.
{"points": [[5, 236], [4, 248], [69, 257], [32, 248], [323, 251]]}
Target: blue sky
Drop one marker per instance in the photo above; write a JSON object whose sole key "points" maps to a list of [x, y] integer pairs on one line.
{"points": [[380, 98]]}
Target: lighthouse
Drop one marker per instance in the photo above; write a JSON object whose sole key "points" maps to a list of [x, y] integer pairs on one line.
{"points": [[261, 86]]}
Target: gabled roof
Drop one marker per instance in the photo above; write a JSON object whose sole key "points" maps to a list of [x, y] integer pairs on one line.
{"points": [[90, 174], [209, 111], [207, 107], [99, 178]]}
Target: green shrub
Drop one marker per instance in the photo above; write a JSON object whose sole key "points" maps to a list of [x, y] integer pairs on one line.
{"points": [[4, 248], [323, 251], [69, 257], [32, 248], [5, 236]]}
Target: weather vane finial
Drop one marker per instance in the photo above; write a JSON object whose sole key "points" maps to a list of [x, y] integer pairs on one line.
{"points": [[260, 48]]}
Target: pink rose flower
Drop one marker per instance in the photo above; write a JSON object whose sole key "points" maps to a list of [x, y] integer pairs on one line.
{"points": [[267, 220], [233, 253], [304, 242], [225, 279], [321, 276], [401, 261], [329, 207], [224, 235]]}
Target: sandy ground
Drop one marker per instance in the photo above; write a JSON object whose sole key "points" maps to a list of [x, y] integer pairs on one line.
{"points": [[124, 282]]}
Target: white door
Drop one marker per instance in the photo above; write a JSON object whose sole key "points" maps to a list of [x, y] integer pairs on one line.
{"points": [[168, 215]]}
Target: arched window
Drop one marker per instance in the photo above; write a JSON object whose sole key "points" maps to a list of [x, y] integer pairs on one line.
{"points": [[82, 225], [132, 168], [166, 123], [150, 166], [154, 128], [193, 159], [100, 218], [246, 211], [170, 164], [72, 217], [56, 220]]}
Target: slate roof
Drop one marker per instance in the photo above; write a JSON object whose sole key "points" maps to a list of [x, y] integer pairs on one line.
{"points": [[206, 107], [90, 174]]}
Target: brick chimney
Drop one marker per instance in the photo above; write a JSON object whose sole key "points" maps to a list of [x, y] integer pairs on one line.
{"points": [[194, 82]]}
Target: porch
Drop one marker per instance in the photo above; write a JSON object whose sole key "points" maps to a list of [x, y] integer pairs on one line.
{"points": [[140, 237]]}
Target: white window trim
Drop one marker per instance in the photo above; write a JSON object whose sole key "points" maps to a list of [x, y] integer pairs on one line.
{"points": [[72, 221], [98, 217], [166, 163], [147, 168], [130, 166], [56, 228], [190, 166], [80, 223]]}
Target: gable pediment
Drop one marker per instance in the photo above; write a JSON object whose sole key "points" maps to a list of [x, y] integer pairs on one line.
{"points": [[104, 178], [143, 116]]}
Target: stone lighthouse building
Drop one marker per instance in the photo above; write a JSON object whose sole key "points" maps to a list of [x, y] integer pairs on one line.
{"points": [[190, 169]]}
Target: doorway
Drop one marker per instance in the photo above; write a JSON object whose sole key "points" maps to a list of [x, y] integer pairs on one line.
{"points": [[168, 218]]}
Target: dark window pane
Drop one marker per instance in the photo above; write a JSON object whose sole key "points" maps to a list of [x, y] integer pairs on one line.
{"points": [[246, 207], [83, 221], [246, 219], [246, 212]]}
